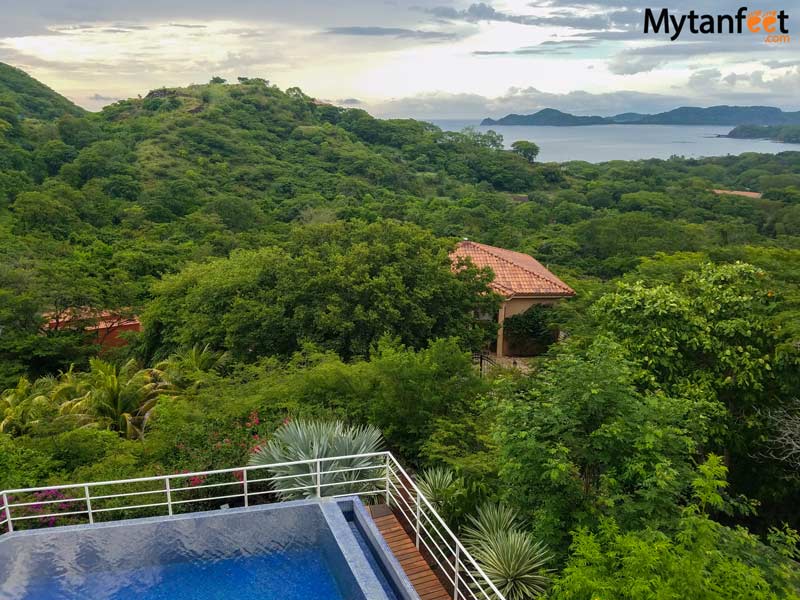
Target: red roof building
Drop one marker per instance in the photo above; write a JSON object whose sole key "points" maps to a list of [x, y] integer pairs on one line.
{"points": [[521, 279], [106, 326]]}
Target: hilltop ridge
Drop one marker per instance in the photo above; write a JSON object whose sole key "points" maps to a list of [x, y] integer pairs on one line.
{"points": [[29, 98]]}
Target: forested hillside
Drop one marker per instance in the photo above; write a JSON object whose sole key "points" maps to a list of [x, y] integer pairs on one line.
{"points": [[289, 260]]}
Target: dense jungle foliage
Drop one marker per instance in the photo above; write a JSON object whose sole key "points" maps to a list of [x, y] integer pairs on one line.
{"points": [[289, 260]]}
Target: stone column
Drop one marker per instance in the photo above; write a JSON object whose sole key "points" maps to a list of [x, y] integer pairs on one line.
{"points": [[501, 316]]}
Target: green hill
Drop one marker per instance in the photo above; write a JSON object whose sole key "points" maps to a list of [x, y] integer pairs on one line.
{"points": [[288, 260], [685, 115], [30, 98]]}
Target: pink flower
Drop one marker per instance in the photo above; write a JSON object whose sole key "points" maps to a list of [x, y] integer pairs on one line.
{"points": [[196, 480]]}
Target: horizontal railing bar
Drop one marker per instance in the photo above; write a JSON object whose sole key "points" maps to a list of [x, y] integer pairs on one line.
{"points": [[352, 469], [310, 474], [48, 515], [313, 474], [23, 504], [352, 482], [372, 493], [203, 486], [132, 507], [189, 501], [193, 474], [124, 495]]}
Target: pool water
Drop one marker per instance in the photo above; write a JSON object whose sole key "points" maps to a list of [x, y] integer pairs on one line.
{"points": [[298, 575], [300, 550]]}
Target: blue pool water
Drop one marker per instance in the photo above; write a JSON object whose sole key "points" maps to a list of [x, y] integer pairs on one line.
{"points": [[292, 551], [298, 575], [373, 562]]}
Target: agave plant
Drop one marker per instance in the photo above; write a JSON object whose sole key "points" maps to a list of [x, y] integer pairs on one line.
{"points": [[443, 489], [516, 564], [437, 484], [490, 520], [311, 440], [514, 561], [119, 398]]}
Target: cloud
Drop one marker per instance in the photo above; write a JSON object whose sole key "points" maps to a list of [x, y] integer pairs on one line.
{"points": [[349, 102], [395, 32], [523, 100], [548, 47], [187, 25], [586, 18], [107, 99], [643, 59]]}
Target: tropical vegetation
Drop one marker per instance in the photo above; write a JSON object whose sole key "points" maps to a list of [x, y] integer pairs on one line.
{"points": [[288, 260]]}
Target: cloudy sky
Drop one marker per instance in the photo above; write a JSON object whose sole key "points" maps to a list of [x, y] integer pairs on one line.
{"points": [[419, 58]]}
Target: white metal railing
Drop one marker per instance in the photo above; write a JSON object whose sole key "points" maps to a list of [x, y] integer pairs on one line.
{"points": [[376, 474]]}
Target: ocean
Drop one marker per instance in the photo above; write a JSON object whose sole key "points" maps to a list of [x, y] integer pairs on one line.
{"points": [[600, 143]]}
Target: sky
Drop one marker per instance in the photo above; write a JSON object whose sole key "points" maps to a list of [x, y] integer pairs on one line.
{"points": [[428, 59]]}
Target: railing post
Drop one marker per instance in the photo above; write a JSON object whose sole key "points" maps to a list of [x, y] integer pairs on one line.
{"points": [[455, 578], [88, 503], [319, 479], [244, 483], [8, 513], [388, 472], [419, 519], [169, 495]]}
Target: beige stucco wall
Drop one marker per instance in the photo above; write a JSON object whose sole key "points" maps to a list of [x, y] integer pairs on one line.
{"points": [[515, 306]]}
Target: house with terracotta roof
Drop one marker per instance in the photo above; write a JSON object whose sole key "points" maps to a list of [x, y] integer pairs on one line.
{"points": [[104, 326], [521, 279]]}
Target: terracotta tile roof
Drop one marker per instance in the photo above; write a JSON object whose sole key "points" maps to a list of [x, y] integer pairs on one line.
{"points": [[515, 274], [738, 193], [89, 320]]}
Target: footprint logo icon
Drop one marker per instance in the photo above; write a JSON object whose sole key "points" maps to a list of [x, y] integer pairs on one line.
{"points": [[769, 21], [754, 21]]}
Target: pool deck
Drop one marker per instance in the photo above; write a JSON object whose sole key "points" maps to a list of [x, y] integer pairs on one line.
{"points": [[422, 576]]}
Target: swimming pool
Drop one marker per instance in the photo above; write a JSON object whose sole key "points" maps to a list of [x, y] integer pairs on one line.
{"points": [[322, 549]]}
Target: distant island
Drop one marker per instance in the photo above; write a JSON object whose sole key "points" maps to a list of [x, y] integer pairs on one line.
{"points": [[788, 134], [685, 115]]}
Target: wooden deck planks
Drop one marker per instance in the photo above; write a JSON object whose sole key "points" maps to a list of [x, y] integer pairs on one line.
{"points": [[422, 577]]}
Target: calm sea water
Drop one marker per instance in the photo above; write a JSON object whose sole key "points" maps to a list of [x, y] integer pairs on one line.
{"points": [[600, 143]]}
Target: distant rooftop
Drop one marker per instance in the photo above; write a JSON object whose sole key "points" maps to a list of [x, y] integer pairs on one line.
{"points": [[738, 193], [515, 273]]}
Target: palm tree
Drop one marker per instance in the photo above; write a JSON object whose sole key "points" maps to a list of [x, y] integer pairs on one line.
{"points": [[187, 369], [24, 406], [310, 440], [119, 398], [514, 561]]}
